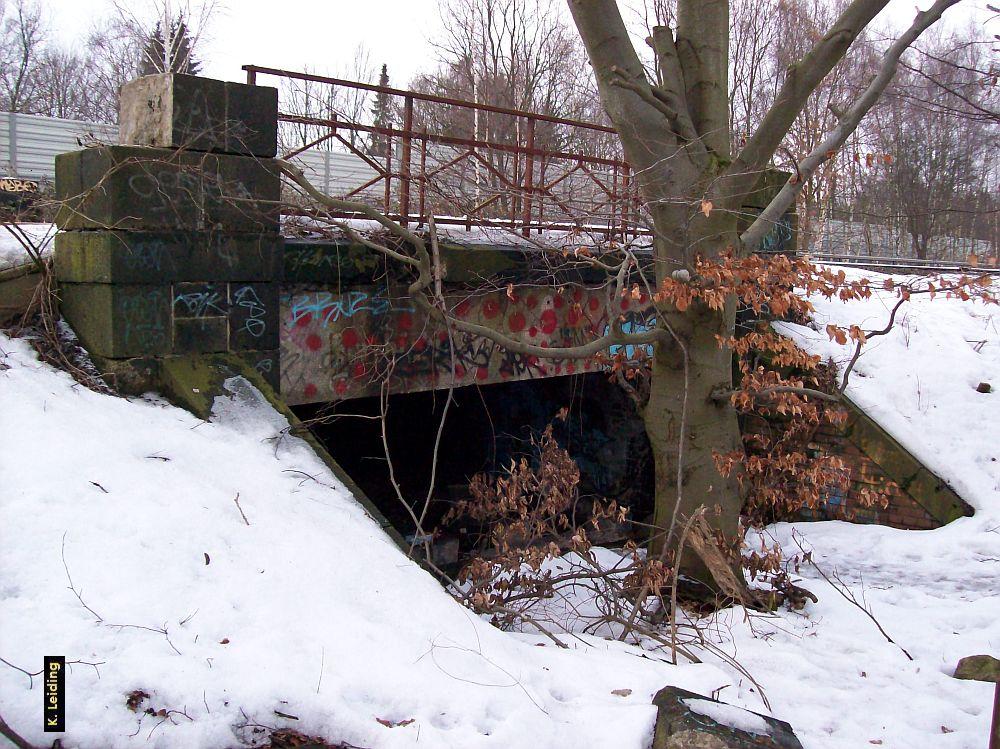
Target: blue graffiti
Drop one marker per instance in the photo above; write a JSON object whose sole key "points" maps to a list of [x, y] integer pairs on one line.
{"points": [[635, 323], [779, 238], [327, 308]]}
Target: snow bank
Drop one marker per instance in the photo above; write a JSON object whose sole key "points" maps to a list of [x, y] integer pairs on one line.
{"points": [[305, 608], [12, 252], [327, 621], [828, 670], [919, 381]]}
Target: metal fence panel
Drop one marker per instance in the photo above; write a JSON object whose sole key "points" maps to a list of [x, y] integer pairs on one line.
{"points": [[30, 143]]}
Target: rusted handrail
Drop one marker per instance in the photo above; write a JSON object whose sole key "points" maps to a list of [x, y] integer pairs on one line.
{"points": [[513, 175]]}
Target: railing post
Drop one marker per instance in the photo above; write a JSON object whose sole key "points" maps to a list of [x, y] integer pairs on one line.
{"points": [[251, 76], [387, 201], [422, 180], [529, 168], [625, 199], [404, 170], [615, 197]]}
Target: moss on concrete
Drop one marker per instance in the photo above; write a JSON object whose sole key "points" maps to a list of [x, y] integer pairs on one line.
{"points": [[164, 257]]}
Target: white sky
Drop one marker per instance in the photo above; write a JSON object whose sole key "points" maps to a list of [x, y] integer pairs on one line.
{"points": [[324, 34]]}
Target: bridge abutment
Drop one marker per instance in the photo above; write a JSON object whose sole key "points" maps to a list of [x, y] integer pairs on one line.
{"points": [[169, 244]]}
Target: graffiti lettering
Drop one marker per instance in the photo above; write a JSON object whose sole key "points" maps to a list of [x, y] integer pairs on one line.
{"points": [[13, 184], [247, 298], [200, 304], [328, 308]]}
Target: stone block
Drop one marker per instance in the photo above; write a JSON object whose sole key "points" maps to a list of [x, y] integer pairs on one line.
{"points": [[685, 720], [253, 317], [132, 188], [201, 335], [171, 110], [252, 115], [267, 364], [165, 257], [119, 321], [129, 376], [200, 300]]}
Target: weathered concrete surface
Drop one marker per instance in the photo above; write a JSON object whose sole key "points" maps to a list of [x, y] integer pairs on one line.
{"points": [[927, 489], [339, 342], [164, 257], [143, 189], [170, 110], [678, 726], [17, 289], [142, 374], [120, 321]]}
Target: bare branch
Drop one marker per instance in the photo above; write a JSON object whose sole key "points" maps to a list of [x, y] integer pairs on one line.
{"points": [[752, 237], [801, 79]]}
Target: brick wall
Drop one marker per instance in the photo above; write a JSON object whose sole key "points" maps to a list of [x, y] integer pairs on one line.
{"points": [[901, 510]]}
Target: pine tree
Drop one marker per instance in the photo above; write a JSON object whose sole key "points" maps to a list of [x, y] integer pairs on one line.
{"points": [[170, 51], [382, 116]]}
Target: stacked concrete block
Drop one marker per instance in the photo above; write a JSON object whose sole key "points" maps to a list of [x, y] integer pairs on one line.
{"points": [[170, 244]]}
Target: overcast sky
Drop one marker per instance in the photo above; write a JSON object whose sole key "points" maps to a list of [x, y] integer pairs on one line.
{"points": [[323, 34]]}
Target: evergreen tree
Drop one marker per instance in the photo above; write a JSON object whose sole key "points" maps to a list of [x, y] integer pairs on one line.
{"points": [[169, 49], [382, 116]]}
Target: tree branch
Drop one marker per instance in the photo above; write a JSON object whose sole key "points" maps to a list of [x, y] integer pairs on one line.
{"points": [[756, 232], [801, 79], [422, 262]]}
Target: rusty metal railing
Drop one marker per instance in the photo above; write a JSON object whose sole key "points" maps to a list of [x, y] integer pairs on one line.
{"points": [[464, 163]]}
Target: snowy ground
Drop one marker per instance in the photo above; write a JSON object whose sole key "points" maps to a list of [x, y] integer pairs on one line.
{"points": [[12, 252], [309, 611]]}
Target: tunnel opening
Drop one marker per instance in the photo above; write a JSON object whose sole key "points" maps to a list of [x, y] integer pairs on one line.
{"points": [[486, 428]]}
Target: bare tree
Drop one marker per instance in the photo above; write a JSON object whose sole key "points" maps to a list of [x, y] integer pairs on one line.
{"points": [[163, 35], [675, 130], [939, 126], [64, 81], [317, 101], [22, 37], [676, 134]]}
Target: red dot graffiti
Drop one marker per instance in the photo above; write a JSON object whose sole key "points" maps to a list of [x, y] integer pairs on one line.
{"points": [[549, 322], [353, 344]]}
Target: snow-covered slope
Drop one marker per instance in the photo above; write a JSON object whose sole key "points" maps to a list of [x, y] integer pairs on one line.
{"points": [[937, 593], [309, 611], [305, 608], [919, 381]]}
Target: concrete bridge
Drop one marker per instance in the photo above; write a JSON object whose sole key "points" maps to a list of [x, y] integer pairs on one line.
{"points": [[172, 246], [178, 271]]}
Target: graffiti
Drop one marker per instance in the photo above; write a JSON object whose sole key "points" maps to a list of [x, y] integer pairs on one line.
{"points": [[208, 303], [329, 308], [312, 257], [247, 299], [147, 255], [156, 188], [143, 325], [779, 239], [336, 346], [635, 322], [13, 184]]}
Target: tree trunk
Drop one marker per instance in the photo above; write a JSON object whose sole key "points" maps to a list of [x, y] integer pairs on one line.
{"points": [[685, 421]]}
